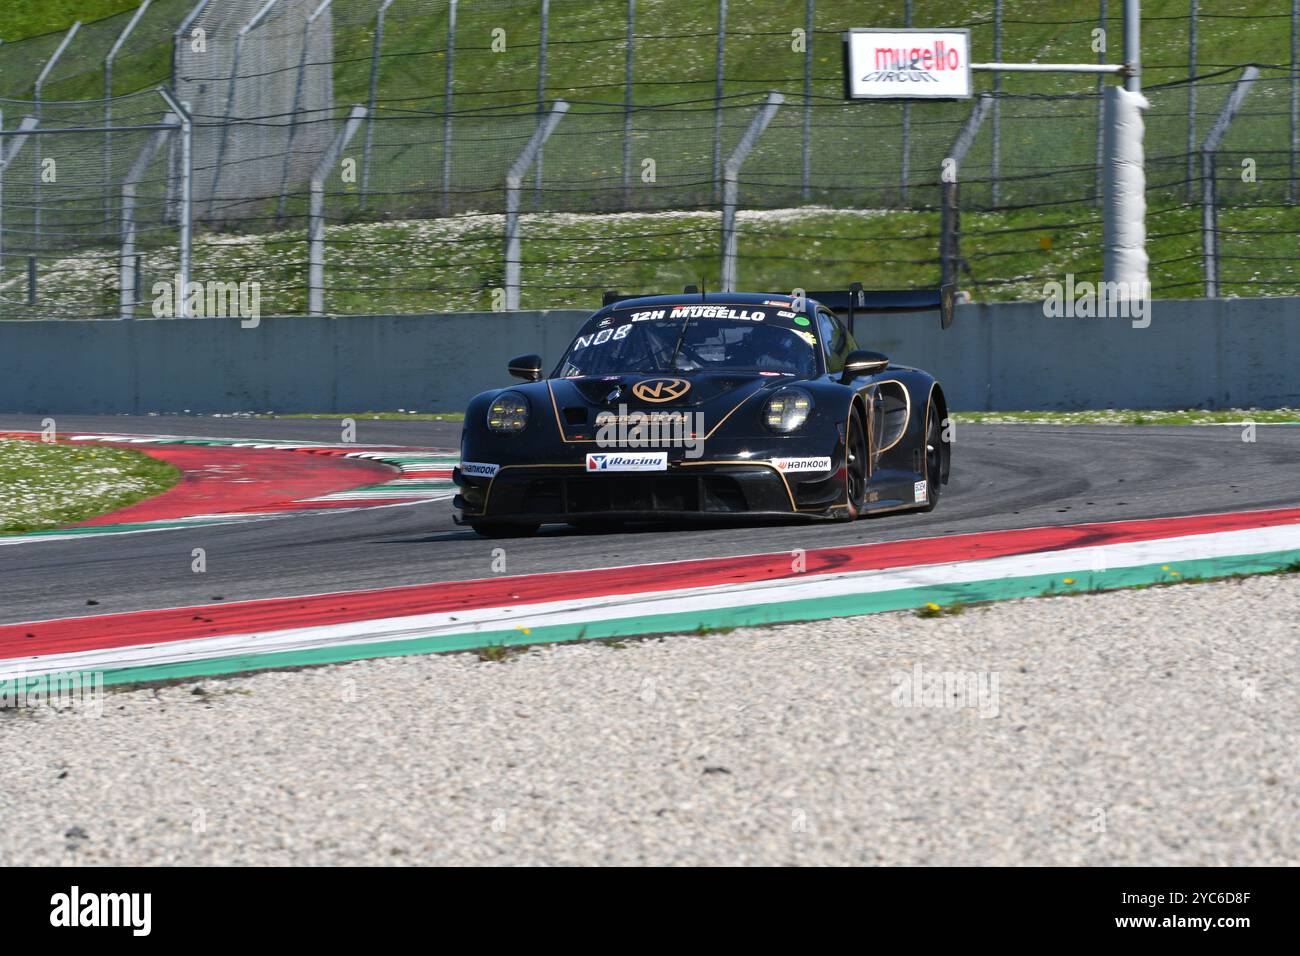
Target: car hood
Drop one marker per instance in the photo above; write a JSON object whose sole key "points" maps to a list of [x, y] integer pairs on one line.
{"points": [[579, 400]]}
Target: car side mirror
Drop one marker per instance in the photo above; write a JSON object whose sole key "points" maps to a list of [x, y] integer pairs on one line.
{"points": [[527, 367], [863, 362]]}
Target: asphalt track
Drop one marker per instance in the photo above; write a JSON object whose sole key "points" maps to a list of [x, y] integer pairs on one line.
{"points": [[1004, 477]]}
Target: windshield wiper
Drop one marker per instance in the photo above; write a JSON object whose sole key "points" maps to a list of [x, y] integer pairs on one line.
{"points": [[672, 362]]}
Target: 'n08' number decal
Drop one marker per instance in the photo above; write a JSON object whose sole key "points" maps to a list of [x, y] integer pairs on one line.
{"points": [[601, 337]]}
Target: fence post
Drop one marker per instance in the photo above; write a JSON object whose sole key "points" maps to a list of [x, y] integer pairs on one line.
{"points": [[627, 103], [182, 112], [178, 37], [1209, 225], [3, 153], [108, 108], [995, 170], [730, 186], [36, 97], [541, 97], [374, 94], [316, 224], [904, 169], [1191, 100], [1133, 45], [293, 113], [251, 25], [950, 205], [446, 107], [7, 157], [1100, 170], [514, 180], [1209, 198], [720, 56], [129, 263], [1295, 96], [807, 100], [186, 27]]}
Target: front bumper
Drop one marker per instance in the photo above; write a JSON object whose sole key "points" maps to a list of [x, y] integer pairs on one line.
{"points": [[717, 489]]}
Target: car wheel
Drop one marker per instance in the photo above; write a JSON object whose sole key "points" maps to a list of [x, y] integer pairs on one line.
{"points": [[855, 465], [933, 459], [504, 529]]}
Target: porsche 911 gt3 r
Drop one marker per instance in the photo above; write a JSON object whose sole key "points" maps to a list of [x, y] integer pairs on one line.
{"points": [[708, 406]]}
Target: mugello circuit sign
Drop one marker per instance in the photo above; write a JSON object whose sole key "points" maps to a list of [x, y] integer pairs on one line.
{"points": [[907, 64]]}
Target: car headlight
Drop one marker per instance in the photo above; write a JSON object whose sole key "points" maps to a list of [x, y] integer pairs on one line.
{"points": [[508, 414], [788, 409]]}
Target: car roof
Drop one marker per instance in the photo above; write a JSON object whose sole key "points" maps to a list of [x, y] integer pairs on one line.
{"points": [[712, 298]]}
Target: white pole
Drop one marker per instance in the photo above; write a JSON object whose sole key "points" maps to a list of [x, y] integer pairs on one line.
{"points": [[1124, 214], [1133, 46], [316, 224], [1124, 192], [1209, 198], [127, 265], [514, 179], [730, 186], [108, 107], [187, 194]]}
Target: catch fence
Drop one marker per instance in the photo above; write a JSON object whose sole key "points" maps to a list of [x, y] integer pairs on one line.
{"points": [[627, 191]]}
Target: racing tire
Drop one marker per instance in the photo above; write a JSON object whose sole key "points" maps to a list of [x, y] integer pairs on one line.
{"points": [[933, 459], [856, 466], [504, 529]]}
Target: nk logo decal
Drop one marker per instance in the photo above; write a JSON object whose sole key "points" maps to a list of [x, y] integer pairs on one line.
{"points": [[661, 389]]}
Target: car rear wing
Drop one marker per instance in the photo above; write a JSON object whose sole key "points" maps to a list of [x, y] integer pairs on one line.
{"points": [[611, 296], [853, 301]]}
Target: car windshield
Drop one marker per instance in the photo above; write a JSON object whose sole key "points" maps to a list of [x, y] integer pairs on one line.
{"points": [[712, 339]]}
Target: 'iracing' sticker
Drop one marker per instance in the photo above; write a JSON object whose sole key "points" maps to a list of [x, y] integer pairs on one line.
{"points": [[644, 461]]}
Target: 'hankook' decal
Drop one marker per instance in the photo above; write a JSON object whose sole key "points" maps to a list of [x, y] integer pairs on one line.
{"points": [[802, 464]]}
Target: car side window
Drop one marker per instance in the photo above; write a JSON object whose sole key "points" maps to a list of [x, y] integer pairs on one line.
{"points": [[838, 341], [850, 343], [832, 336]]}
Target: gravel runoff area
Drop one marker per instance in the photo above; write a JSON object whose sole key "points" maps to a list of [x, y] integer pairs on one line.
{"points": [[1157, 726]]}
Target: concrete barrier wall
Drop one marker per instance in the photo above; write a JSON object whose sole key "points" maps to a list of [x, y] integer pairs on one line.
{"points": [[353, 364], [1196, 353]]}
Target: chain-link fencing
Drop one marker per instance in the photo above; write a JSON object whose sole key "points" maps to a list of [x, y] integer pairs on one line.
{"points": [[626, 192], [61, 254]]}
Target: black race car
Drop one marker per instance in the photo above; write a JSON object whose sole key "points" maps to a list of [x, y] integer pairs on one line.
{"points": [[717, 405]]}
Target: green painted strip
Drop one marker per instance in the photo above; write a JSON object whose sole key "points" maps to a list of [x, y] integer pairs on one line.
{"points": [[135, 526], [813, 609]]}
